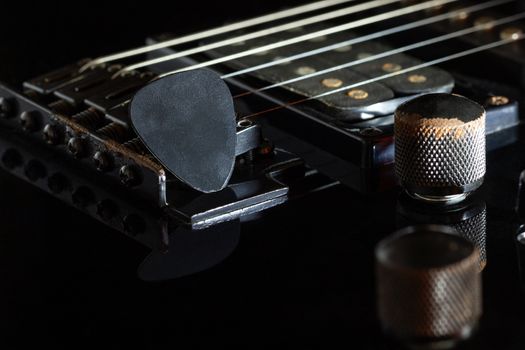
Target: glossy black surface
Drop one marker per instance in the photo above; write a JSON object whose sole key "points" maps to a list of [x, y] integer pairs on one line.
{"points": [[302, 276]]}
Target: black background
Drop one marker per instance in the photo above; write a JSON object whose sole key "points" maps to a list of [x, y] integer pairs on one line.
{"points": [[303, 277], [44, 34]]}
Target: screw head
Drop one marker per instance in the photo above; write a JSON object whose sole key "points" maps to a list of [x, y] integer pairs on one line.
{"points": [[52, 134], [391, 67], [76, 147], [417, 78], [513, 33], [6, 107], [244, 123], [29, 121], [497, 101], [130, 175], [332, 83], [305, 70], [460, 15], [103, 161], [357, 94]]}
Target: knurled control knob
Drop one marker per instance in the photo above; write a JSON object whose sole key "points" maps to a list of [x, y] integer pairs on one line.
{"points": [[440, 147]]}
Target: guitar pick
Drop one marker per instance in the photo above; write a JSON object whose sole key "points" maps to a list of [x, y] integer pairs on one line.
{"points": [[187, 121]]}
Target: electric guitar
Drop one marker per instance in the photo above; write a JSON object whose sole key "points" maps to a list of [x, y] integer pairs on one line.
{"points": [[298, 141]]}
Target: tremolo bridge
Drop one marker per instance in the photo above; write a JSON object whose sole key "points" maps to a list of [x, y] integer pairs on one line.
{"points": [[70, 134]]}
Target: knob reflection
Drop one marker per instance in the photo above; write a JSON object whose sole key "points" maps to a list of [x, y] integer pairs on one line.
{"points": [[468, 218]]}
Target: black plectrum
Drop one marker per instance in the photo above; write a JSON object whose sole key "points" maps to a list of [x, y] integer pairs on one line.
{"points": [[187, 121]]}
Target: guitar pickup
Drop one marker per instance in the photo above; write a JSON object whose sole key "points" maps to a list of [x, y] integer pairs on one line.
{"points": [[425, 80], [378, 98]]}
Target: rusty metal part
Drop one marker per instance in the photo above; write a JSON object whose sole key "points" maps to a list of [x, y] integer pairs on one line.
{"points": [[114, 131], [332, 83], [61, 107], [440, 147], [417, 78], [357, 94], [390, 67], [429, 285], [497, 101], [89, 118], [114, 146]]}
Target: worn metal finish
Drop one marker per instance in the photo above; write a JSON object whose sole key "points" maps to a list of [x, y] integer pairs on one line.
{"points": [[440, 146]]}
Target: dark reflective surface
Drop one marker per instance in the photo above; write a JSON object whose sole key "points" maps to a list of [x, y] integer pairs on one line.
{"points": [[304, 273], [190, 251], [302, 276]]}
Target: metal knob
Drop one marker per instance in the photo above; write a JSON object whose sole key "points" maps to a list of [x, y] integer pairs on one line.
{"points": [[440, 147], [429, 286]]}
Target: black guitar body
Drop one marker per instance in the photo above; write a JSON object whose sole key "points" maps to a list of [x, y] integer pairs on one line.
{"points": [[293, 266]]}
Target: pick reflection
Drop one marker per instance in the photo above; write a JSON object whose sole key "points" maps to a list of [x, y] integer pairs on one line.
{"points": [[191, 251]]}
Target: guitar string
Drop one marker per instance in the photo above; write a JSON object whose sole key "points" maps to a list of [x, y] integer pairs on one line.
{"points": [[428, 42], [368, 37], [376, 35], [299, 10], [262, 33], [291, 41], [461, 54]]}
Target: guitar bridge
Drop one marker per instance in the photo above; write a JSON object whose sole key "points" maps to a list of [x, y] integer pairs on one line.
{"points": [[70, 134]]}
